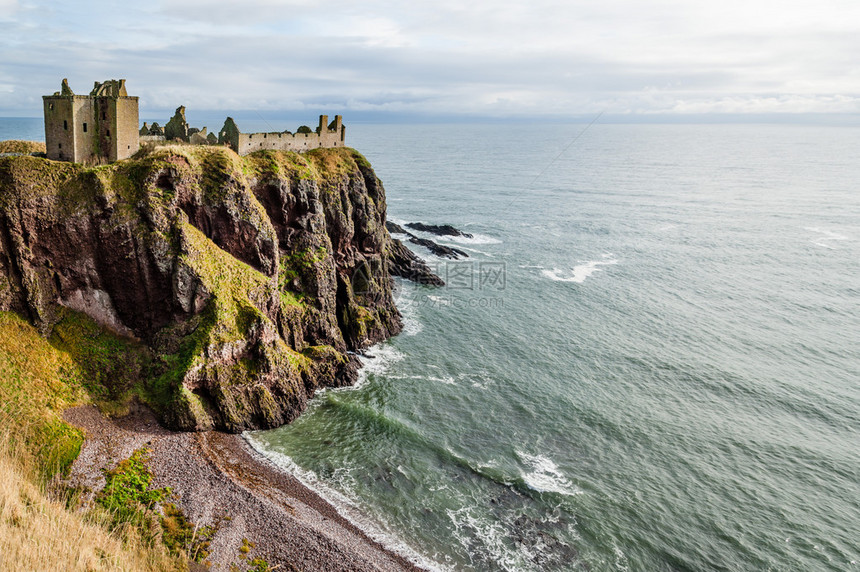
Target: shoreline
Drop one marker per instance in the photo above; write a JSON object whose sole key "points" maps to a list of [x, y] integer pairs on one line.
{"points": [[220, 478]]}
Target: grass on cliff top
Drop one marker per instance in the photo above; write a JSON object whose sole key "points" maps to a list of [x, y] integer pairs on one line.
{"points": [[212, 166], [315, 164], [32, 177], [17, 146]]}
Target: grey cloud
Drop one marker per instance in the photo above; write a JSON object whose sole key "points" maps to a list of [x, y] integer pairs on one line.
{"points": [[446, 56]]}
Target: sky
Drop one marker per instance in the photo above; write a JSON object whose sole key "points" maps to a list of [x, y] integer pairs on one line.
{"points": [[500, 58]]}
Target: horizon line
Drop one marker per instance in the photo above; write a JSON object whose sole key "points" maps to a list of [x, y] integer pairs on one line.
{"points": [[371, 117]]}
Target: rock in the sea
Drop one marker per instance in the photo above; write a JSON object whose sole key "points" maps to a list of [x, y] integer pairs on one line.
{"points": [[438, 249], [438, 229], [395, 228], [246, 279], [404, 263]]}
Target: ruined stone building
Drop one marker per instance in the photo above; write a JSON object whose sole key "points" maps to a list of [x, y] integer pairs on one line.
{"points": [[99, 127], [103, 127], [326, 135]]}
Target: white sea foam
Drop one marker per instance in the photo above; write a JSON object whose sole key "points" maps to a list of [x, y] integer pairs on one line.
{"points": [[474, 239], [469, 524], [447, 380], [475, 251], [826, 237], [544, 476], [342, 503], [620, 559], [384, 356], [580, 272], [408, 311], [480, 380]]}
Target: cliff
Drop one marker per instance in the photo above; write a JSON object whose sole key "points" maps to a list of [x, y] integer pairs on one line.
{"points": [[226, 289]]}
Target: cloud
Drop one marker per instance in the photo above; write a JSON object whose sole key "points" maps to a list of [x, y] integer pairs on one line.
{"points": [[502, 57]]}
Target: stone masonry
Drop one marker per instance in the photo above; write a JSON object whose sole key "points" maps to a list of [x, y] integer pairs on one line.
{"points": [[95, 128], [326, 135]]}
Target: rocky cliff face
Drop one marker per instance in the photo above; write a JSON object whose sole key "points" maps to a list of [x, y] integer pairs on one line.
{"points": [[247, 280]]}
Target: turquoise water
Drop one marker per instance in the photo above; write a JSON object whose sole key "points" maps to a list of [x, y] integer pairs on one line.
{"points": [[650, 361]]}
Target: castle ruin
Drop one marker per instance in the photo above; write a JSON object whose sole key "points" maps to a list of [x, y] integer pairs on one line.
{"points": [[326, 135], [103, 127], [94, 128]]}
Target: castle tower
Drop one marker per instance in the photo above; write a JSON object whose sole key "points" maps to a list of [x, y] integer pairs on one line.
{"points": [[331, 134], [101, 126]]}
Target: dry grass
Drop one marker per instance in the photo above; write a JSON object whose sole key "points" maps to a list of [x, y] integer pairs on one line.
{"points": [[15, 146]]}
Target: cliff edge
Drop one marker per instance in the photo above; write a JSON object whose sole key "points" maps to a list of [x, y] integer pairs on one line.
{"points": [[233, 287]]}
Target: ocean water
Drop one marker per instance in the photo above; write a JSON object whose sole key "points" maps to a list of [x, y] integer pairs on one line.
{"points": [[650, 360]]}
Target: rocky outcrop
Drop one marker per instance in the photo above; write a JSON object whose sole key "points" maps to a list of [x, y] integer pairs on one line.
{"points": [[404, 263], [438, 229], [248, 281], [438, 249]]}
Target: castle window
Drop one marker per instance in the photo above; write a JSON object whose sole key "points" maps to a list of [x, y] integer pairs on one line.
{"points": [[85, 127], [104, 115], [59, 145], [65, 125], [107, 132], [51, 106]]}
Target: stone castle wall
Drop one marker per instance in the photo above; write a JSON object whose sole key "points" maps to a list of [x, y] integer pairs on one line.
{"points": [[126, 142], [59, 128], [245, 143]]}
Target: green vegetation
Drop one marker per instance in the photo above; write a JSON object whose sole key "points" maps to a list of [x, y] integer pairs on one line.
{"points": [[39, 532], [112, 369], [332, 162], [258, 564], [38, 381], [127, 495], [181, 536], [229, 316], [277, 164], [129, 499]]}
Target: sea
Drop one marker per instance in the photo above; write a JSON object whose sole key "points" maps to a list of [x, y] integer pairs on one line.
{"points": [[650, 359]]}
